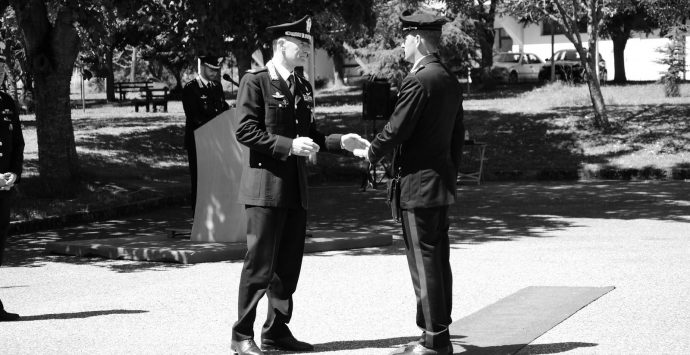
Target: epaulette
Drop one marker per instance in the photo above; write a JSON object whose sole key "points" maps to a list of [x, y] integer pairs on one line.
{"points": [[257, 70]]}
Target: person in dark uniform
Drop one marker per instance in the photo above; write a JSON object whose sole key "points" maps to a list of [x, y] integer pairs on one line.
{"points": [[274, 108], [11, 160], [202, 100], [426, 131]]}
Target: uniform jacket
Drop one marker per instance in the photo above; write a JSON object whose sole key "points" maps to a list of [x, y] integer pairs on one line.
{"points": [[201, 103], [11, 138], [426, 127], [269, 119]]}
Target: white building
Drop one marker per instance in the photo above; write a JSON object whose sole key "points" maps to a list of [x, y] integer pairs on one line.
{"points": [[641, 51]]}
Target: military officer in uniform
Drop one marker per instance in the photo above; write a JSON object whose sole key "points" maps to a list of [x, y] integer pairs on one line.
{"points": [[11, 160], [274, 108], [202, 100], [426, 132]]}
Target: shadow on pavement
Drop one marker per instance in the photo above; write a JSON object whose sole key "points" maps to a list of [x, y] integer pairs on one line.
{"points": [[521, 349], [362, 344], [77, 315], [553, 348], [484, 213]]}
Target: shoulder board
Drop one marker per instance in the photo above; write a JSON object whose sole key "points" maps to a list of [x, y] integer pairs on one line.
{"points": [[257, 70], [418, 69]]}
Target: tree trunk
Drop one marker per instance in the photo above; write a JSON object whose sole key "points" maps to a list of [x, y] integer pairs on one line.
{"points": [[109, 75], [338, 69], [619, 42], [244, 59], [51, 52]]}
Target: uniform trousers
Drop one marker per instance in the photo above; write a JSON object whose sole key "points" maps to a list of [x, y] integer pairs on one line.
{"points": [[6, 198], [191, 158], [425, 231], [275, 246]]}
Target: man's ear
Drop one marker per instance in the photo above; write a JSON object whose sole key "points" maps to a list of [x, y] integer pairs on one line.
{"points": [[280, 43]]}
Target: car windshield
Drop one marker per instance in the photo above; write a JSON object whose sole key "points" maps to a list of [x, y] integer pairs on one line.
{"points": [[508, 58], [572, 55]]}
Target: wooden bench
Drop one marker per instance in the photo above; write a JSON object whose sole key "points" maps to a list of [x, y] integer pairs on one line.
{"points": [[152, 97], [130, 86]]}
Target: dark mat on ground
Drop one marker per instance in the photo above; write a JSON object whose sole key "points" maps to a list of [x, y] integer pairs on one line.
{"points": [[510, 324], [185, 251]]}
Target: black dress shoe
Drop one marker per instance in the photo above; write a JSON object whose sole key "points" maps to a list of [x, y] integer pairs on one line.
{"points": [[245, 347], [419, 349], [288, 343], [8, 317]]}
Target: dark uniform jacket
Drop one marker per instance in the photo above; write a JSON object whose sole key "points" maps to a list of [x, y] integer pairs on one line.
{"points": [[11, 138], [427, 128], [269, 119], [201, 103]]}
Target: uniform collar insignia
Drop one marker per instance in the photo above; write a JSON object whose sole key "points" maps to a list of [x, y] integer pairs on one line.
{"points": [[307, 97], [272, 71]]}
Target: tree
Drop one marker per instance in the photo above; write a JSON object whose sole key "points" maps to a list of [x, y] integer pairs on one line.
{"points": [[52, 44], [107, 27], [483, 15], [672, 17], [345, 23], [625, 17], [567, 14], [216, 26]]}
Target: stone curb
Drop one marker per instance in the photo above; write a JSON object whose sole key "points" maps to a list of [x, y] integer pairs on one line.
{"points": [[33, 225]]}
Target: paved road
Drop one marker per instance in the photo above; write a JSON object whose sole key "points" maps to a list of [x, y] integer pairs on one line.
{"points": [[505, 236]]}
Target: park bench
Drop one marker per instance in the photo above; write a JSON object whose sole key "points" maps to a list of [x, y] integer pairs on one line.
{"points": [[130, 86], [152, 97]]}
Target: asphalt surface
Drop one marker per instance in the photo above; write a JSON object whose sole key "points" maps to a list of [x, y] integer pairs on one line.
{"points": [[504, 237]]}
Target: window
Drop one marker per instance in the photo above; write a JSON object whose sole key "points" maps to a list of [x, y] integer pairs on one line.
{"points": [[546, 27]]}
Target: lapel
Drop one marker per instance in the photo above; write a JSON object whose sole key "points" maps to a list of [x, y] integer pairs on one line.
{"points": [[278, 84]]}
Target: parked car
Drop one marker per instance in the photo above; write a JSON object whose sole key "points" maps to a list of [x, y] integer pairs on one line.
{"points": [[569, 68], [516, 67]]}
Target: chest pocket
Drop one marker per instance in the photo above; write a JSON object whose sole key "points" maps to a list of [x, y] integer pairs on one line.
{"points": [[277, 111]]}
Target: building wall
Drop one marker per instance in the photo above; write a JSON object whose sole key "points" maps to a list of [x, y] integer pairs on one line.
{"points": [[641, 51]]}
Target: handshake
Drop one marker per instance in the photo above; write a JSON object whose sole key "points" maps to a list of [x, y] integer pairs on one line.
{"points": [[305, 146], [7, 181]]}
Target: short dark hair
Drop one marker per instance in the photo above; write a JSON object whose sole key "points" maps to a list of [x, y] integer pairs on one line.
{"points": [[433, 38]]}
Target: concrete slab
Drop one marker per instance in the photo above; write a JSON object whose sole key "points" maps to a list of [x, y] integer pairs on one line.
{"points": [[510, 324], [185, 251]]}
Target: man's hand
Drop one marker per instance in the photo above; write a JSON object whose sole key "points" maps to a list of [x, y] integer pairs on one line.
{"points": [[352, 141], [7, 181], [303, 146], [361, 153]]}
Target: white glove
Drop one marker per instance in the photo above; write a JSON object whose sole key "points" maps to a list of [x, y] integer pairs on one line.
{"points": [[303, 146], [352, 141]]}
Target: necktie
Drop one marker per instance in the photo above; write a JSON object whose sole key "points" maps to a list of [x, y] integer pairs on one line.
{"points": [[291, 84]]}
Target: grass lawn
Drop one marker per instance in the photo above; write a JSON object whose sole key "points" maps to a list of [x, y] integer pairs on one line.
{"points": [[532, 133]]}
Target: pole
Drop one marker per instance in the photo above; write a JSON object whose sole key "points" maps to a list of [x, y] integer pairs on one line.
{"points": [[133, 69], [83, 104], [553, 40]]}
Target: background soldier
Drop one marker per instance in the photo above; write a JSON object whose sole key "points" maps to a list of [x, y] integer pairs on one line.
{"points": [[202, 100], [274, 106], [11, 160], [427, 128]]}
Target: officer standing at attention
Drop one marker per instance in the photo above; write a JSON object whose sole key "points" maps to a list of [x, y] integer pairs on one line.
{"points": [[202, 100], [426, 131], [274, 108], [11, 160]]}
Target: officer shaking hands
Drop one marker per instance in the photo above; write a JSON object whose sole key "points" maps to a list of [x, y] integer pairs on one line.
{"points": [[11, 161], [274, 108], [426, 131], [202, 100]]}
